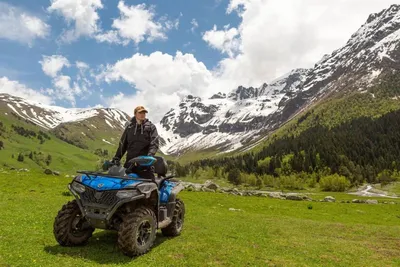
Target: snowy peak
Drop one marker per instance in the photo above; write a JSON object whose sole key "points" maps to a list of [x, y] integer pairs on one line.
{"points": [[211, 121], [229, 121], [378, 26], [49, 117]]}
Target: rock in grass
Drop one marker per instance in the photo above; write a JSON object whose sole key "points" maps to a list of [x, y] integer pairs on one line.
{"points": [[205, 189], [329, 199], [358, 201], [48, 171], [211, 185], [371, 201]]}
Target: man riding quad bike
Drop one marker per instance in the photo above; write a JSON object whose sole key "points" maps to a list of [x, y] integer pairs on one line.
{"points": [[123, 200]]}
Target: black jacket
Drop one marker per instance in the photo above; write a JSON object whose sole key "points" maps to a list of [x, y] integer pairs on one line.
{"points": [[138, 140]]}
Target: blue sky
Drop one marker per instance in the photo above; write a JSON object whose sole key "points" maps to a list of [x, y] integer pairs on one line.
{"points": [[21, 62], [155, 53]]}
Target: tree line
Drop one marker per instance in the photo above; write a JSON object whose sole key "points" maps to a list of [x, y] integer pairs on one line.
{"points": [[364, 149]]}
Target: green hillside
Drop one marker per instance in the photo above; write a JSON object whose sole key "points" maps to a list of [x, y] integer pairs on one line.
{"points": [[355, 135], [38, 146]]}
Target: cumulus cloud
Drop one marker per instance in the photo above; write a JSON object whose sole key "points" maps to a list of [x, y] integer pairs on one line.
{"points": [[136, 24], [52, 65], [82, 14], [161, 80], [17, 89], [17, 25], [225, 40], [276, 37], [271, 39], [65, 88]]}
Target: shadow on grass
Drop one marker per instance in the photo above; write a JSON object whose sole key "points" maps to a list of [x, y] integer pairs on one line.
{"points": [[102, 248]]}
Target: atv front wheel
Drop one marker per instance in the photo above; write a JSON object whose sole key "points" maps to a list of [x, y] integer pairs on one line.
{"points": [[175, 227], [70, 228], [137, 232]]}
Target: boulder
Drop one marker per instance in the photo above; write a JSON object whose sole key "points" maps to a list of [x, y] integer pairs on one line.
{"points": [[371, 201], [211, 185], [329, 199], [205, 189], [48, 171], [56, 173], [276, 195], [358, 201]]}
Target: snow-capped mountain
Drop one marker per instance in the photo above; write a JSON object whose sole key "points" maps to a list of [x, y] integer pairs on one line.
{"points": [[227, 122], [49, 117]]}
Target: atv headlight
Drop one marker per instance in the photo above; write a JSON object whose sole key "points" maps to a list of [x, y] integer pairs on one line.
{"points": [[79, 188], [127, 193]]}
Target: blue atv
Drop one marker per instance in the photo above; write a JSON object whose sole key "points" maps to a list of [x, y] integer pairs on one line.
{"points": [[120, 200]]}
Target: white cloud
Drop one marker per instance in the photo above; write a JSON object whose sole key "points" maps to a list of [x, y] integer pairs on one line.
{"points": [[225, 40], [272, 39], [17, 89], [52, 65], [195, 25], [137, 24], [109, 37], [65, 88], [62, 83], [161, 80], [82, 13], [17, 25], [276, 37], [81, 65]]}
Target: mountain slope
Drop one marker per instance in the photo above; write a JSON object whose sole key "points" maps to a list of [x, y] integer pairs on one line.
{"points": [[89, 128], [247, 115], [224, 121], [355, 135]]}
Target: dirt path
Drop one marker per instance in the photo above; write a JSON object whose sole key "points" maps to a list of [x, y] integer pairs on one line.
{"points": [[370, 191]]}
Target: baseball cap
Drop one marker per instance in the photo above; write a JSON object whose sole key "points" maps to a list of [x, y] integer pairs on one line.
{"points": [[140, 109]]}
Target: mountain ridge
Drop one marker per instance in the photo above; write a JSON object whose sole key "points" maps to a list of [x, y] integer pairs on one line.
{"points": [[370, 53]]}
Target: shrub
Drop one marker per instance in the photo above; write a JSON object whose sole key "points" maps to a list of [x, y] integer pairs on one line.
{"points": [[291, 182], [20, 157], [334, 183], [234, 176]]}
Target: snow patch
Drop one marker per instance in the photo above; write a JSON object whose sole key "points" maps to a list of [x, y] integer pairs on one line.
{"points": [[105, 141], [109, 124]]}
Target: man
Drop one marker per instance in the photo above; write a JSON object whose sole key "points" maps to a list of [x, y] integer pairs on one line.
{"points": [[140, 138]]}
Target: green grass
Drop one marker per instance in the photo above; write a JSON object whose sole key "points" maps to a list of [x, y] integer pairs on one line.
{"points": [[392, 188], [265, 232]]}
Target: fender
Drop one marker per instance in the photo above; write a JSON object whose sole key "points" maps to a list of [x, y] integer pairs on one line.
{"points": [[172, 199], [175, 192]]}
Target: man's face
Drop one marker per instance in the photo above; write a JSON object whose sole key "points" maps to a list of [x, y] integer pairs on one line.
{"points": [[140, 115]]}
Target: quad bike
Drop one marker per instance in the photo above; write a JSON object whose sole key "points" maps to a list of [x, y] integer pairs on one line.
{"points": [[120, 200]]}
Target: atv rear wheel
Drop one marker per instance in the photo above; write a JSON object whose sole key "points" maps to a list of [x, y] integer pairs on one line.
{"points": [[175, 227], [137, 232], [70, 228]]}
